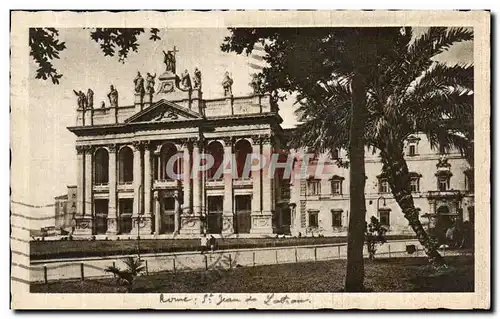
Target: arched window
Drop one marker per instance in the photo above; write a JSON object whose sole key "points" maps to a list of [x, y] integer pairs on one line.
{"points": [[166, 153], [242, 149], [126, 165], [216, 150], [101, 168]]}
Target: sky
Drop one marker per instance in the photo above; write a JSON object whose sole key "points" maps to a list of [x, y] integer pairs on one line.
{"points": [[44, 150]]}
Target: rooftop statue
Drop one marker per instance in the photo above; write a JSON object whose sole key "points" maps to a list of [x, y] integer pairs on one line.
{"points": [[81, 99], [227, 84], [113, 96], [197, 79], [186, 80], [90, 98], [150, 83], [169, 60], [139, 84]]}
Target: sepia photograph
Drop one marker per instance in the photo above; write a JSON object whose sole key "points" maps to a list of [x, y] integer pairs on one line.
{"points": [[220, 161]]}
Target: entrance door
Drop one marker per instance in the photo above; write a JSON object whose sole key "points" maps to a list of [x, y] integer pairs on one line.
{"points": [[126, 207], [243, 209], [214, 217], [101, 216], [168, 215], [286, 220], [282, 220]]}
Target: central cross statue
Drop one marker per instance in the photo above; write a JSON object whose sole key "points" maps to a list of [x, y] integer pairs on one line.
{"points": [[169, 60]]}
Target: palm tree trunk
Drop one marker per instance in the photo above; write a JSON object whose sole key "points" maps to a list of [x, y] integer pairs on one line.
{"points": [[355, 236], [399, 180]]}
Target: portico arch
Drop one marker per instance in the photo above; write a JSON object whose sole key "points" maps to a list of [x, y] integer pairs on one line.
{"points": [[242, 148], [101, 166], [216, 150], [125, 165], [167, 151]]}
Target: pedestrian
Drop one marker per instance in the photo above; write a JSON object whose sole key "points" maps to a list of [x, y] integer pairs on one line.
{"points": [[203, 243], [212, 243]]}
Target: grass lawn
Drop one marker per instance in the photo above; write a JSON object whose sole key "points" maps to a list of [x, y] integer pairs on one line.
{"points": [[86, 248], [387, 275]]}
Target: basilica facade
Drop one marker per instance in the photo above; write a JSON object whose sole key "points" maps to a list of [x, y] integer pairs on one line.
{"points": [[125, 186]]}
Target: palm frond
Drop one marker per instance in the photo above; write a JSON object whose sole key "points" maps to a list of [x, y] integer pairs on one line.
{"points": [[134, 265]]}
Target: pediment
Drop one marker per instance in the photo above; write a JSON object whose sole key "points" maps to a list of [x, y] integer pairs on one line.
{"points": [[164, 111]]}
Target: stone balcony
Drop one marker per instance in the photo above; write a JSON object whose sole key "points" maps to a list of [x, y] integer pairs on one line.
{"points": [[451, 193], [243, 182], [166, 183], [125, 186], [215, 183], [101, 187]]}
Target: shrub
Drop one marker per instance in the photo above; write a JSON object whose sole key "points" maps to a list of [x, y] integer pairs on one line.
{"points": [[374, 234], [134, 267]]}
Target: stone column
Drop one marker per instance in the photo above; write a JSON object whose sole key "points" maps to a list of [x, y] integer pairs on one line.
{"points": [[83, 226], [88, 182], [256, 179], [262, 221], [157, 213], [158, 164], [112, 211], [191, 223], [137, 179], [268, 191], [147, 186], [227, 215], [187, 208], [176, 212], [197, 177], [80, 180]]}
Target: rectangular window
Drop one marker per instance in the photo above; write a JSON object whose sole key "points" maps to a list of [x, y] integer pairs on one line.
{"points": [[314, 187], [412, 150], [336, 187], [414, 185], [383, 186], [126, 206], [336, 218], [313, 219], [443, 184], [384, 217]]}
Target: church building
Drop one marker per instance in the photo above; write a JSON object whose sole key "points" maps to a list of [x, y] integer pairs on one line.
{"points": [[138, 169], [123, 185]]}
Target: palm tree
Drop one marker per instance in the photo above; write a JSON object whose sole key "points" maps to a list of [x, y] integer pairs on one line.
{"points": [[407, 92], [134, 267]]}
